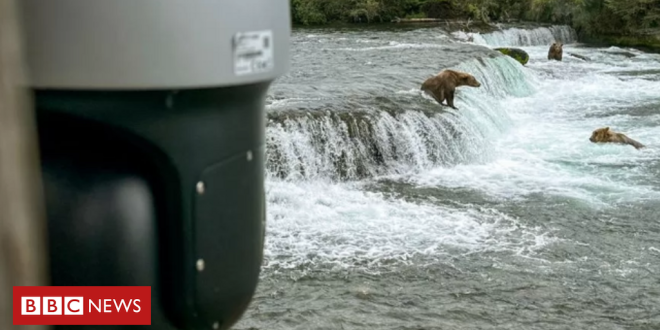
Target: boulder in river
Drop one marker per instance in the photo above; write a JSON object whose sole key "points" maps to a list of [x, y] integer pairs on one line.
{"points": [[516, 53], [582, 57]]}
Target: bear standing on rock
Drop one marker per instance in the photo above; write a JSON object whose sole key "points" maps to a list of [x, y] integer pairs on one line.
{"points": [[443, 85], [556, 51]]}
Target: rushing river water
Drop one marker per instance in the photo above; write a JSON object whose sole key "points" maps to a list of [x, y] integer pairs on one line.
{"points": [[388, 211]]}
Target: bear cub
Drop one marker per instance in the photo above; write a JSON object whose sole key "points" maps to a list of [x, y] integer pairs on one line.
{"points": [[443, 85]]}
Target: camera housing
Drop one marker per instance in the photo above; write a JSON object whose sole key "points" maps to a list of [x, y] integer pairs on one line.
{"points": [[151, 123]]}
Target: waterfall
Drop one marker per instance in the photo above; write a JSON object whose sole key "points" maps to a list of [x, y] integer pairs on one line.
{"points": [[373, 140], [540, 36]]}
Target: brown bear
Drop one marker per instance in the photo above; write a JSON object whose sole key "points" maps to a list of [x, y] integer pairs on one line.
{"points": [[604, 135], [556, 51], [443, 85]]}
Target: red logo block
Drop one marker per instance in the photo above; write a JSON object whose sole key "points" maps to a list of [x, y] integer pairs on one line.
{"points": [[82, 305]]}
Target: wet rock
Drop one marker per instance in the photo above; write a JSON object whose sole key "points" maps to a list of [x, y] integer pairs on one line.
{"points": [[363, 293], [516, 53], [584, 58]]}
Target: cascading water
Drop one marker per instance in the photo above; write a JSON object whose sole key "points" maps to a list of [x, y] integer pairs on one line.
{"points": [[512, 37], [366, 142], [388, 211]]}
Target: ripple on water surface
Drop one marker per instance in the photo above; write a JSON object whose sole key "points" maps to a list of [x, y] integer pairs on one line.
{"points": [[501, 215]]}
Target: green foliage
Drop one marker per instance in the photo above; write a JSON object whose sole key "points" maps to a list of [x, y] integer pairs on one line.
{"points": [[637, 14], [588, 17], [482, 10], [416, 15], [438, 9], [308, 12], [312, 12]]}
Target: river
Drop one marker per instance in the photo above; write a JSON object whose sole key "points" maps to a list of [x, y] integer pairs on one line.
{"points": [[388, 211]]}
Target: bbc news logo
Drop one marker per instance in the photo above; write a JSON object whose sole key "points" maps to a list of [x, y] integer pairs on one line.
{"points": [[52, 305], [82, 305], [73, 305]]}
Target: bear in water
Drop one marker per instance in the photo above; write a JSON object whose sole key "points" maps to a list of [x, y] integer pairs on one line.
{"points": [[604, 135], [556, 51], [443, 85]]}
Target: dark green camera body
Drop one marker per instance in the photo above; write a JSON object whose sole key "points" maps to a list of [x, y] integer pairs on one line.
{"points": [[153, 155]]}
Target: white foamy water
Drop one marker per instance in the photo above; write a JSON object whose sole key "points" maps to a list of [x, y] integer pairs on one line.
{"points": [[521, 37], [313, 220], [310, 147], [547, 150], [392, 45], [524, 132], [388, 211], [340, 226]]}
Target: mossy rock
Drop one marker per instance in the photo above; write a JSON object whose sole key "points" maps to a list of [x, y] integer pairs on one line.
{"points": [[516, 53]]}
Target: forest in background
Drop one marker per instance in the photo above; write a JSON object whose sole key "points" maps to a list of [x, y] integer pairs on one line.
{"points": [[625, 21]]}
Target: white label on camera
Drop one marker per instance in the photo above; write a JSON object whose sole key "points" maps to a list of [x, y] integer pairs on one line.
{"points": [[253, 52]]}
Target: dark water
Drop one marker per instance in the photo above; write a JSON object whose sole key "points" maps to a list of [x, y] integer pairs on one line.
{"points": [[386, 211]]}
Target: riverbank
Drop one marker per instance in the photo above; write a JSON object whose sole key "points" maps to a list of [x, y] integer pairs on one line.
{"points": [[647, 42], [623, 23], [406, 24]]}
